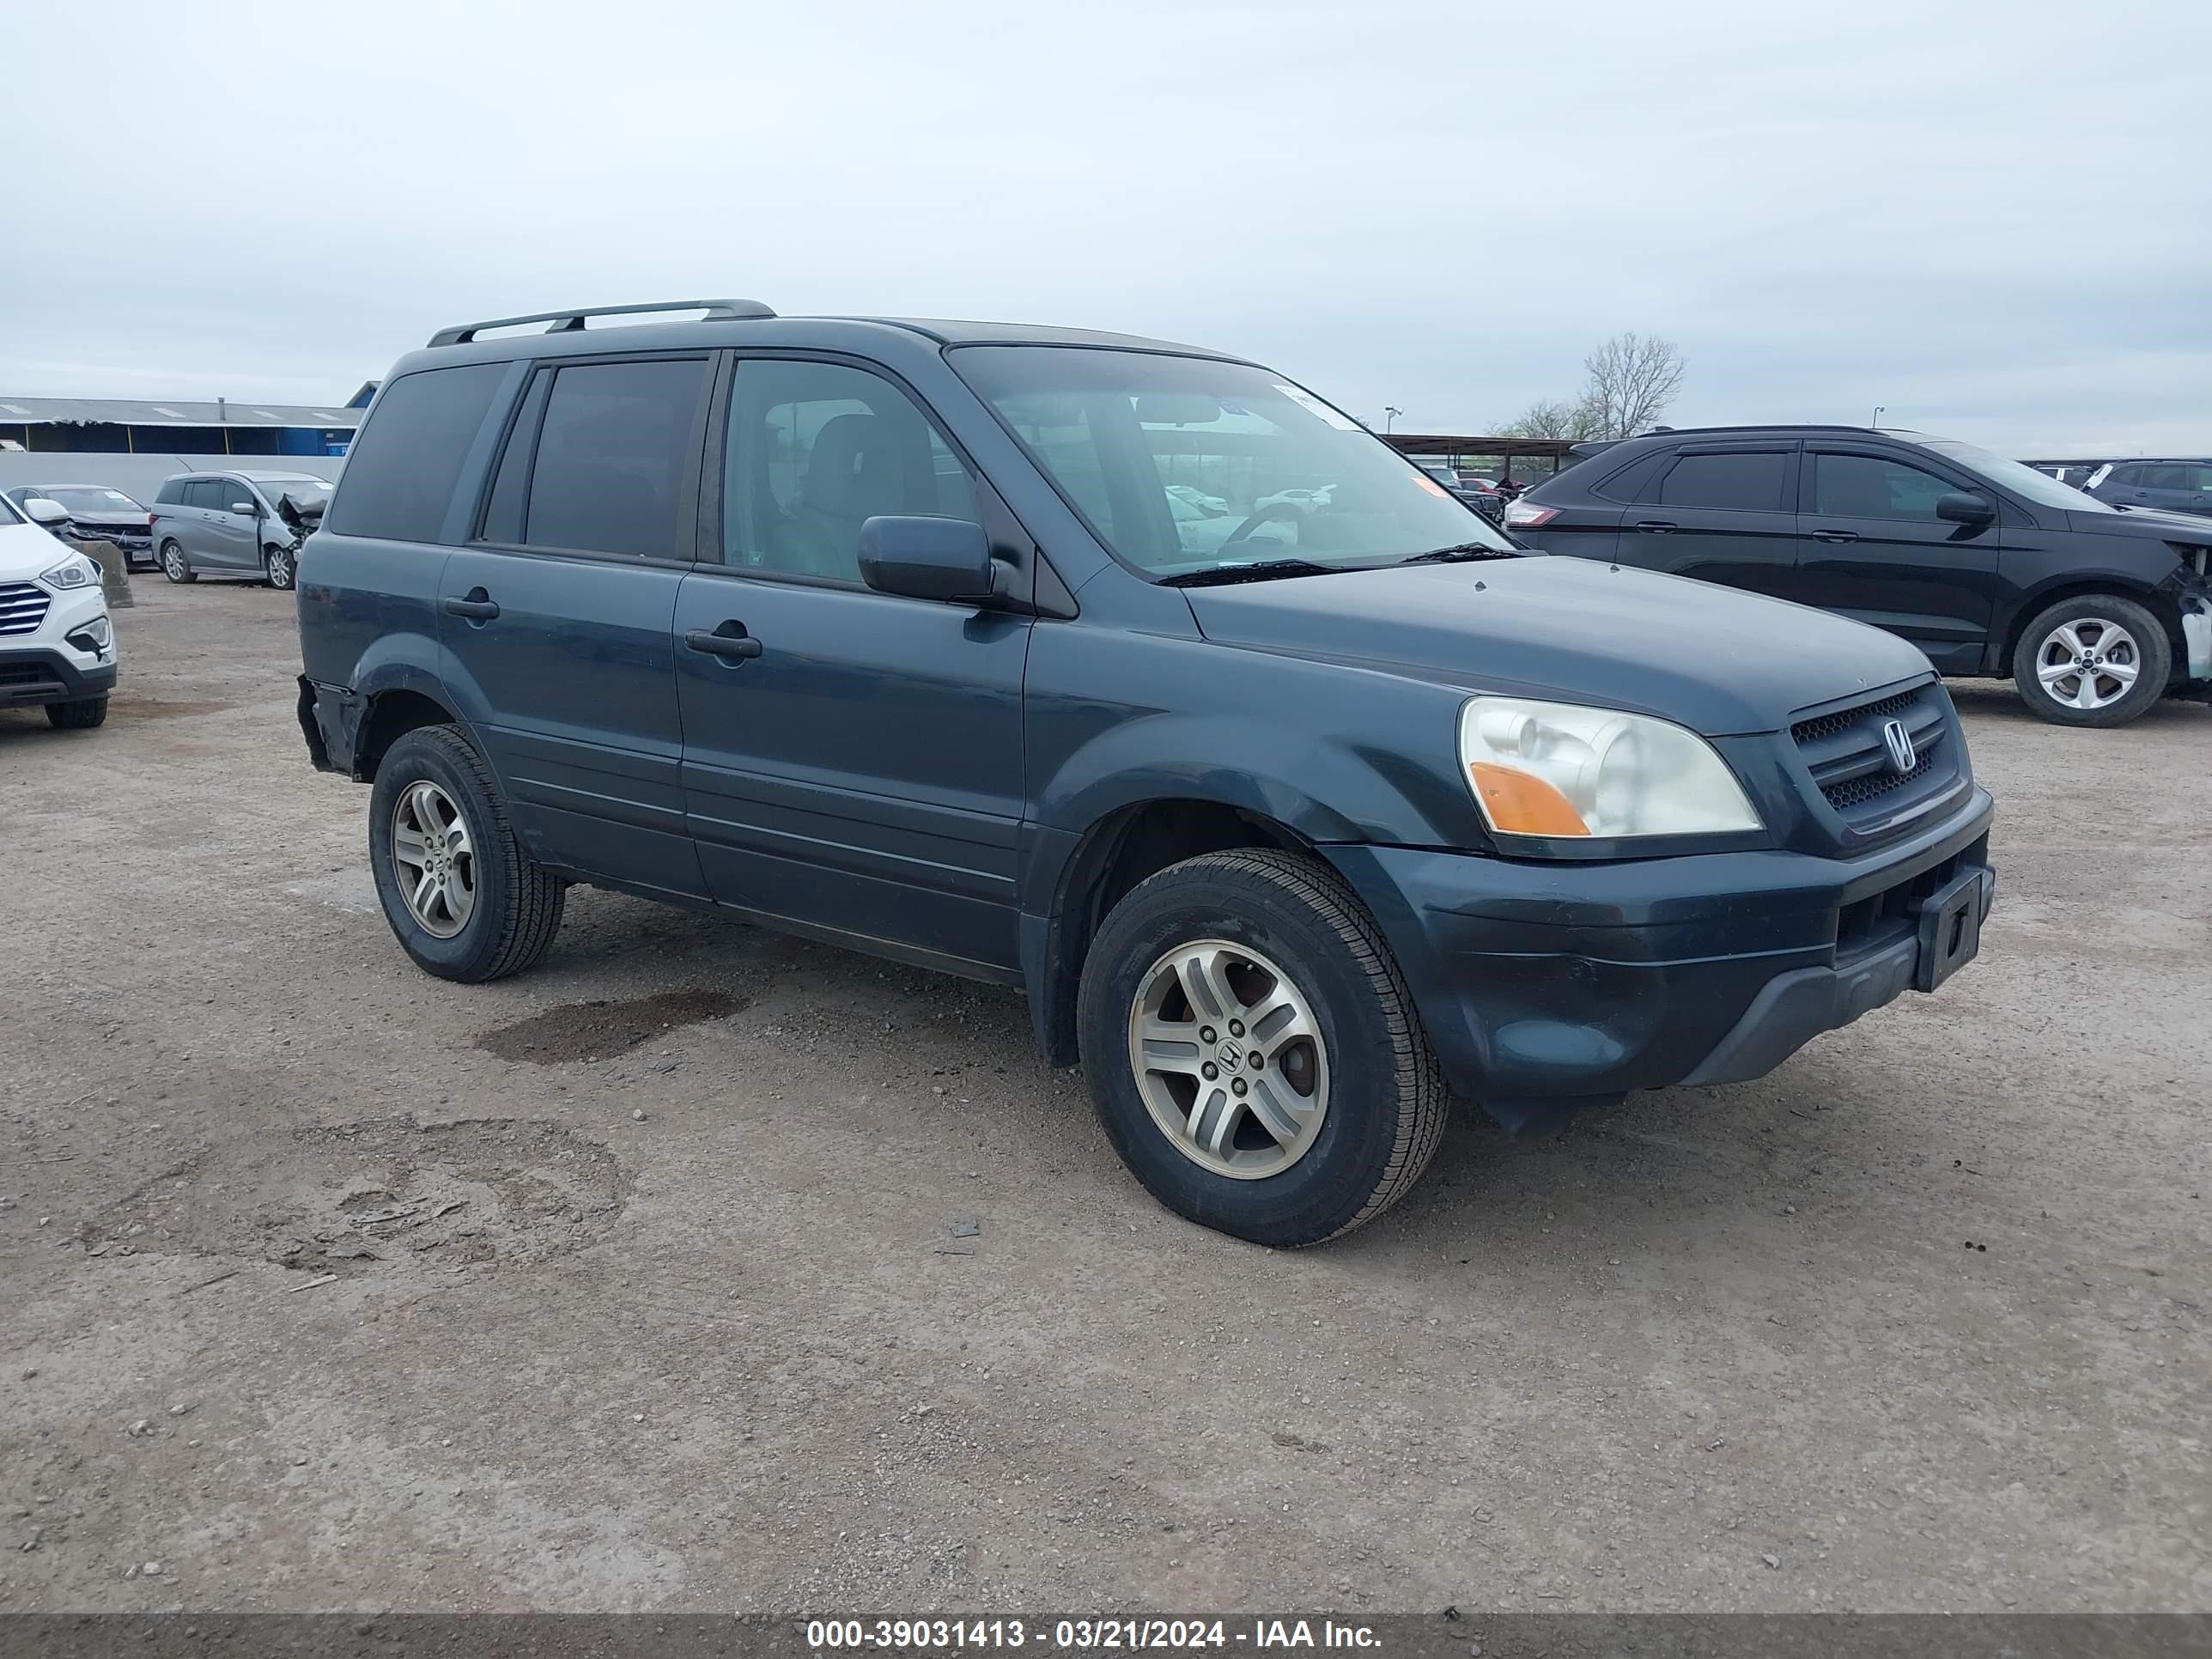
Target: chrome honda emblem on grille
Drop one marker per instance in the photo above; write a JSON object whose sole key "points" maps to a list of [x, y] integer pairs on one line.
{"points": [[1894, 738]]}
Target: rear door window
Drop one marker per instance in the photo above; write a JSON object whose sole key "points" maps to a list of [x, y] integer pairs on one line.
{"points": [[613, 455], [1744, 481]]}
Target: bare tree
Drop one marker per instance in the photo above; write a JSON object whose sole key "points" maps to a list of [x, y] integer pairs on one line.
{"points": [[1632, 380], [1548, 418]]}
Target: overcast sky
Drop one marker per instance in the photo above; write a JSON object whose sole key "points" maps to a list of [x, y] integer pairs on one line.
{"points": [[1995, 220]]}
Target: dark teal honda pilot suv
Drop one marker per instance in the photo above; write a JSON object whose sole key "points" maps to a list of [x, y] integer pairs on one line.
{"points": [[1296, 797]]}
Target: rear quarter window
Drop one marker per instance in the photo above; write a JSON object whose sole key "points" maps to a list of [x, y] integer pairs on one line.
{"points": [[400, 473], [1632, 482]]}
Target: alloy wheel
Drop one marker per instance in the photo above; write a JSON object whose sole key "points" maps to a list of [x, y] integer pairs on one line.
{"points": [[434, 860], [2088, 663], [1228, 1059]]}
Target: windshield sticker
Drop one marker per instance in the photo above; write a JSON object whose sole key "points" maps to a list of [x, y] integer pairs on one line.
{"points": [[1313, 405]]}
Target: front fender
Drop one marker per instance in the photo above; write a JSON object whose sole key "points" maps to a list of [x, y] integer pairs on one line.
{"points": [[1332, 752]]}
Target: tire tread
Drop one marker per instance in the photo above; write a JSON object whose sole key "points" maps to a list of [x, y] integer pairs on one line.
{"points": [[535, 898]]}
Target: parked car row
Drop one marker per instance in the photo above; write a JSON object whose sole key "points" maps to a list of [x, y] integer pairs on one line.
{"points": [[244, 524], [1989, 566]]}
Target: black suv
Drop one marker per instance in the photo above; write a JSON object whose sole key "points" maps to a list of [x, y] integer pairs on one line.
{"points": [[1135, 676], [1989, 566]]}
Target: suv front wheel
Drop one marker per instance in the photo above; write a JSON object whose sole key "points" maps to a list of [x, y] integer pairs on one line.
{"points": [[278, 567], [1252, 1052], [462, 896], [2096, 660]]}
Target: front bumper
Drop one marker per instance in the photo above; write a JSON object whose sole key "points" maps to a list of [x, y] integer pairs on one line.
{"points": [[1548, 984], [44, 674]]}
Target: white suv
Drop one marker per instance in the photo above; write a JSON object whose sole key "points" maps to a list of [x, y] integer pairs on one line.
{"points": [[56, 644]]}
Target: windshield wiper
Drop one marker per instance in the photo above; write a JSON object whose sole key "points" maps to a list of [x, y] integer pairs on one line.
{"points": [[1221, 575], [1465, 551]]}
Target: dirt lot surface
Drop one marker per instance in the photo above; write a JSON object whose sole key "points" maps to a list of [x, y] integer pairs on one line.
{"points": [[651, 1293]]}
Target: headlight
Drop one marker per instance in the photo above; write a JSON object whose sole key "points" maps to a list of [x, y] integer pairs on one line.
{"points": [[1553, 769], [74, 571]]}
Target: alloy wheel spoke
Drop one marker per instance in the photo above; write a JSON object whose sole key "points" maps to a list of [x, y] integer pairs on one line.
{"points": [[1169, 1045], [1213, 1122], [1205, 986], [2069, 636], [2124, 673], [2051, 673], [408, 845], [1274, 1114]]}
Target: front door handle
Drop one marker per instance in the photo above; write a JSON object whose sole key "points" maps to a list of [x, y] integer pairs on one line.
{"points": [[1656, 527], [729, 641], [1835, 535], [479, 605]]}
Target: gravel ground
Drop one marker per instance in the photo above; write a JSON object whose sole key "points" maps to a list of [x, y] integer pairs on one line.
{"points": [[653, 1288]]}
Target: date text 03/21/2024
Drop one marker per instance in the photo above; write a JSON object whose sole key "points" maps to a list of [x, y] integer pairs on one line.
{"points": [[836, 1635]]}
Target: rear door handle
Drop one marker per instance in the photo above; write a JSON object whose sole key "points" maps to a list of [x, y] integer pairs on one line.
{"points": [[729, 641], [477, 605], [1656, 527], [1835, 535]]}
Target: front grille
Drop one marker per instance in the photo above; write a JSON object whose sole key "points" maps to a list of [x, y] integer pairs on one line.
{"points": [[1829, 725], [22, 607], [1846, 752]]}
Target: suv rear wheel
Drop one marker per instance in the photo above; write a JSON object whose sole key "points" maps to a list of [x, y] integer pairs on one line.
{"points": [[1252, 1052], [2095, 660], [464, 897]]}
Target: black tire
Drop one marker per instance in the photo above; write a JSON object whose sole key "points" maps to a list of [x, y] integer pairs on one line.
{"points": [[279, 568], [173, 566], [81, 715], [518, 904], [2154, 652], [1387, 1100]]}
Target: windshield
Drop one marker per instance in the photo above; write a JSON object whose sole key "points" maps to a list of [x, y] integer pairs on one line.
{"points": [[2017, 477], [87, 499], [1183, 464]]}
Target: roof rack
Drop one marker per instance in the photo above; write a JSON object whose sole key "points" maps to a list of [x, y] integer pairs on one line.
{"points": [[572, 320]]}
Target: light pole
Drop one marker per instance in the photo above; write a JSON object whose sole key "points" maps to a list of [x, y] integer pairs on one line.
{"points": [[1878, 408], [1389, 415]]}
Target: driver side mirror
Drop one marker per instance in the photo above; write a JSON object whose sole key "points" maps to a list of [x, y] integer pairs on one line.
{"points": [[47, 513], [948, 560], [246, 507], [1958, 507]]}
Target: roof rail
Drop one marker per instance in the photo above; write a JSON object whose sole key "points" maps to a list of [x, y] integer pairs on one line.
{"points": [[570, 321]]}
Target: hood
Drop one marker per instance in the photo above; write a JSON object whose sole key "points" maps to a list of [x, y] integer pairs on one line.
{"points": [[1714, 660], [2149, 523], [26, 550]]}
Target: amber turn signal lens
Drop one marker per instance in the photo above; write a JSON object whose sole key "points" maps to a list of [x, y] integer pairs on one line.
{"points": [[1521, 804]]}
